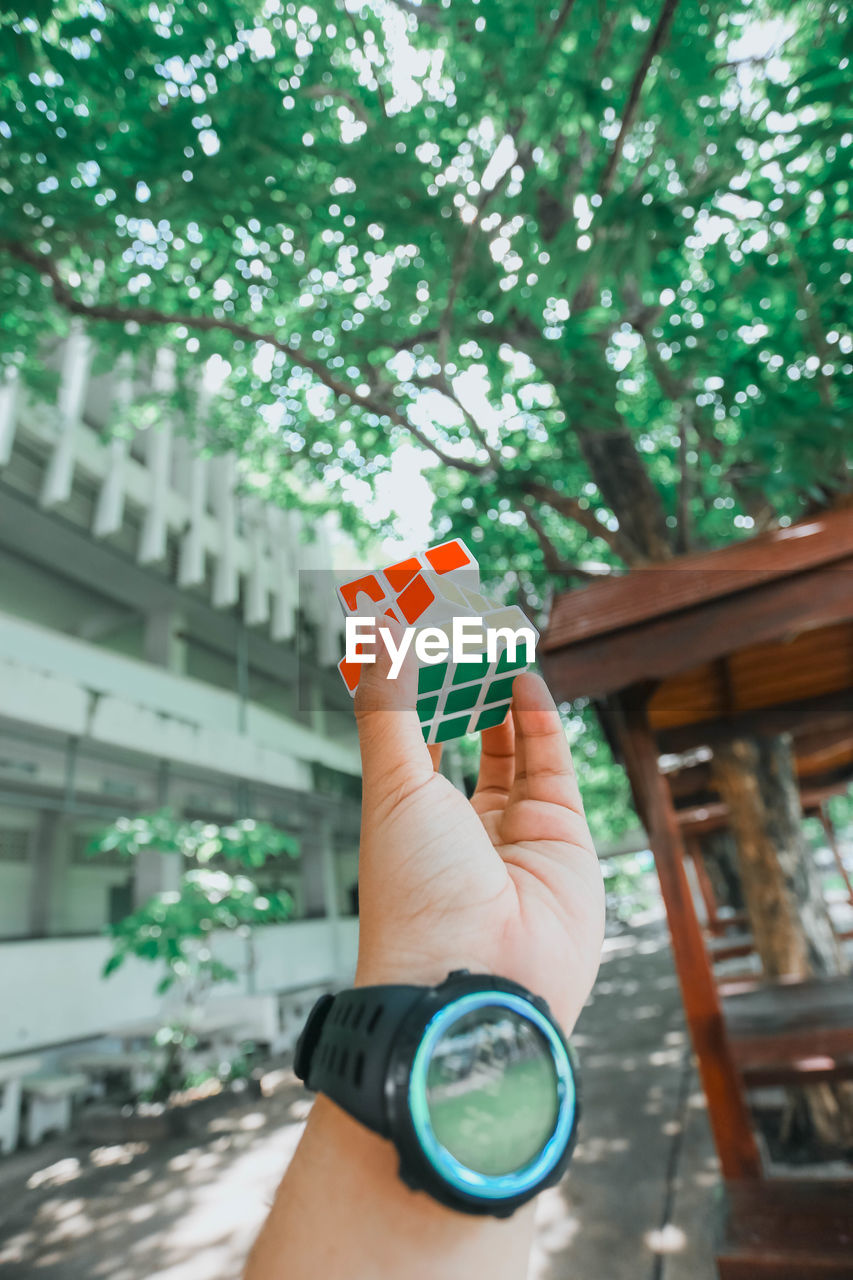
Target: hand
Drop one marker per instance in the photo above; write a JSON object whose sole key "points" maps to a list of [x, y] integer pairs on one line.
{"points": [[506, 883]]}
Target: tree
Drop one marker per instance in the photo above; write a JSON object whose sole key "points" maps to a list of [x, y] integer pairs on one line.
{"points": [[590, 258], [176, 929], [558, 248]]}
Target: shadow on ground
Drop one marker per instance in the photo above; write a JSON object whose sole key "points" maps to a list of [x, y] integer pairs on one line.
{"points": [[636, 1205]]}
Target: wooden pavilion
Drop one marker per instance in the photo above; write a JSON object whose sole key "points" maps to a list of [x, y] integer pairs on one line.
{"points": [[756, 638]]}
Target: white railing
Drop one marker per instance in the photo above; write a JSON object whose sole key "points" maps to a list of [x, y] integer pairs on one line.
{"points": [[177, 490]]}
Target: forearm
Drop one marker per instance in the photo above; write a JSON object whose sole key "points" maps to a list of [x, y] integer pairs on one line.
{"points": [[341, 1213]]}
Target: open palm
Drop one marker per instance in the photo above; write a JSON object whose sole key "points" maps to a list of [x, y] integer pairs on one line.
{"points": [[505, 883]]}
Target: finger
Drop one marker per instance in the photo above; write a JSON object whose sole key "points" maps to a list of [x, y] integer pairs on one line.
{"points": [[544, 771], [497, 767], [435, 755], [393, 751]]}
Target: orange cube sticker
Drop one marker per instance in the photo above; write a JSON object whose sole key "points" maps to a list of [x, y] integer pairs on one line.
{"points": [[415, 599], [448, 556]]}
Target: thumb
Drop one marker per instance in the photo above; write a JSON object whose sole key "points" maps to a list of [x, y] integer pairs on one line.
{"points": [[393, 751]]}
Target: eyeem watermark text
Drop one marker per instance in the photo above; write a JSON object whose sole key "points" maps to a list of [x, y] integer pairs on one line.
{"points": [[468, 639]]}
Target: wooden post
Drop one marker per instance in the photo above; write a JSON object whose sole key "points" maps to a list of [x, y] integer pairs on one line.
{"points": [[727, 1109], [706, 889]]}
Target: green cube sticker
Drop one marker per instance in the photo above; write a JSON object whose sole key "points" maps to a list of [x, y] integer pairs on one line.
{"points": [[467, 671], [494, 715], [500, 690], [454, 728], [431, 677], [427, 708], [461, 699], [425, 728], [504, 663]]}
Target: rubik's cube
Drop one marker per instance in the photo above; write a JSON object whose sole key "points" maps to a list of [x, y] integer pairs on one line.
{"points": [[430, 589]]}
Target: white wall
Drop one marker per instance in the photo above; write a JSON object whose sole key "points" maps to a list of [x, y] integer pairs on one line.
{"points": [[82, 906], [16, 880], [51, 990], [56, 682]]}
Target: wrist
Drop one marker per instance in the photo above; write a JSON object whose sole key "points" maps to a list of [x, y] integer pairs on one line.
{"points": [[410, 970], [469, 1076], [342, 1212]]}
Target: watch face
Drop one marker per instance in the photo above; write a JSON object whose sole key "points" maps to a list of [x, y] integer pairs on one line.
{"points": [[492, 1091]]}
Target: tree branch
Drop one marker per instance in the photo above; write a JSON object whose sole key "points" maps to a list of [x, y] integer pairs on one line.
{"points": [[559, 22], [357, 34], [678, 390], [329, 91], [656, 43], [525, 158], [814, 327], [571, 508], [554, 562], [462, 261], [440, 382], [684, 484], [115, 313]]}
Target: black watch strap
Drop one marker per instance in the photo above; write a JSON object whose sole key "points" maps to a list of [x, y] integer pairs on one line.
{"points": [[346, 1044]]}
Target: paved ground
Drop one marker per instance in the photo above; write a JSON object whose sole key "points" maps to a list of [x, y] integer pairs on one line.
{"points": [[637, 1204]]}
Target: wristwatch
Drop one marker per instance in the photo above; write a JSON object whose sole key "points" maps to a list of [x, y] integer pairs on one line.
{"points": [[472, 1080]]}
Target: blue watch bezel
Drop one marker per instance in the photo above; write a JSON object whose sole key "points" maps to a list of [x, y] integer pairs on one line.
{"points": [[530, 1176], [425, 1165]]}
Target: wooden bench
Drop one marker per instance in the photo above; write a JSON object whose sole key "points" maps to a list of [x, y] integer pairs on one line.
{"points": [[719, 925], [797, 1229], [815, 1069], [785, 1020], [49, 1100], [732, 947], [790, 1032]]}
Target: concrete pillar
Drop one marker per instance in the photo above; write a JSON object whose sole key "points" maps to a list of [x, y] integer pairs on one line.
{"points": [[284, 579], [155, 872], [191, 562], [153, 540], [59, 475], [226, 578], [43, 860], [164, 642], [330, 889], [317, 706], [256, 604], [8, 410], [109, 509], [314, 888]]}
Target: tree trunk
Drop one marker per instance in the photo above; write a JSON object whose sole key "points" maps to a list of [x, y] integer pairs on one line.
{"points": [[719, 853], [790, 922], [625, 485]]}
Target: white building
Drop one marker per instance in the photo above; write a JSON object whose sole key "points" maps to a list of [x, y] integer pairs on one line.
{"points": [[154, 651]]}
